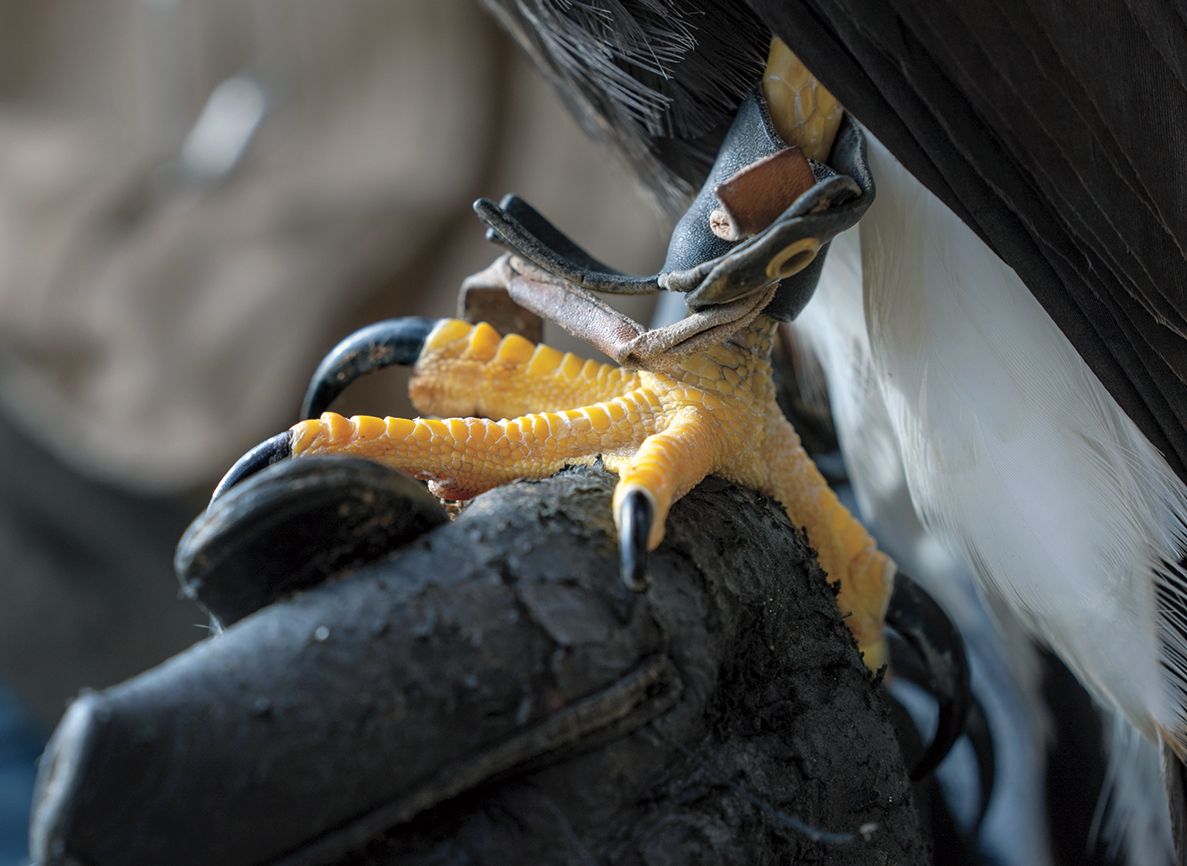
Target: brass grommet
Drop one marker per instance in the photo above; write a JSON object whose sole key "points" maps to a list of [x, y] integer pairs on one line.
{"points": [[793, 258]]}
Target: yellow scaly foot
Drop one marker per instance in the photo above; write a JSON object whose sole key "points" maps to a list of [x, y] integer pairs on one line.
{"points": [[528, 410], [702, 403]]}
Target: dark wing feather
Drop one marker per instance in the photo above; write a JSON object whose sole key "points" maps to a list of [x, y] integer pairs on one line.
{"points": [[661, 80], [1058, 131]]}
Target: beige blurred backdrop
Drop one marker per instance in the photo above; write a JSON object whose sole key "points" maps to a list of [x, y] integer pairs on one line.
{"points": [[198, 198]]}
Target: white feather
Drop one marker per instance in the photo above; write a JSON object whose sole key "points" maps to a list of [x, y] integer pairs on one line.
{"points": [[1133, 818], [1005, 666], [1018, 459]]}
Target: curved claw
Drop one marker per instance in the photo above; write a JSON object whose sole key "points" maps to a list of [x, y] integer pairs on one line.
{"points": [[279, 447], [926, 628], [635, 517], [384, 344], [909, 666]]}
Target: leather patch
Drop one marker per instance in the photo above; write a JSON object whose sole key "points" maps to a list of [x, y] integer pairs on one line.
{"points": [[493, 305], [752, 198]]}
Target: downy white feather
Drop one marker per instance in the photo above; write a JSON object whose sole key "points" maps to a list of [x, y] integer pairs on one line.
{"points": [[1017, 455], [1132, 817], [1019, 460], [1005, 668]]}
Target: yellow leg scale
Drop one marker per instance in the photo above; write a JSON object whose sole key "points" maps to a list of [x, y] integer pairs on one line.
{"points": [[661, 433]]}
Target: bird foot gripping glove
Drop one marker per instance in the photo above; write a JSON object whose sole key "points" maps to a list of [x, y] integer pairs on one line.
{"points": [[485, 694], [320, 721], [695, 398]]}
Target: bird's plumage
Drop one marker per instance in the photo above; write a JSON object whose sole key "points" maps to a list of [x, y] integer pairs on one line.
{"points": [[1005, 665], [950, 385], [1025, 286], [1056, 132], [660, 80], [1016, 454]]}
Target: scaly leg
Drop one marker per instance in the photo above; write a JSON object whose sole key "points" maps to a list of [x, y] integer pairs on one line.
{"points": [[661, 433], [470, 370], [843, 545], [703, 404]]}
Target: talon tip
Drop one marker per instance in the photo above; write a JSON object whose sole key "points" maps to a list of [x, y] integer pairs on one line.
{"points": [[375, 347], [279, 447], [636, 515], [927, 630]]}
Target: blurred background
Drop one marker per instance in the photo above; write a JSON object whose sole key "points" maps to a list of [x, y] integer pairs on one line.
{"points": [[198, 198]]}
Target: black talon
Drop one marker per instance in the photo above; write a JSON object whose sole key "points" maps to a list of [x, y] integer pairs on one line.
{"points": [[909, 666], [279, 447], [926, 628], [384, 344], [635, 519]]}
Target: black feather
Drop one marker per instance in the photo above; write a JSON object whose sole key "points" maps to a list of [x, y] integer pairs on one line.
{"points": [[1071, 169], [660, 80]]}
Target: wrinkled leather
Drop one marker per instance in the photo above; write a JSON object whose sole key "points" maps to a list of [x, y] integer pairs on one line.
{"points": [[710, 270]]}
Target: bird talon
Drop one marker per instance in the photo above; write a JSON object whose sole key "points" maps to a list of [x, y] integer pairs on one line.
{"points": [[910, 667], [393, 342], [502, 401], [636, 516], [274, 450], [924, 626]]}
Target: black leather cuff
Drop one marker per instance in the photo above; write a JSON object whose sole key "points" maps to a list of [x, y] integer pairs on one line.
{"points": [[709, 269]]}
